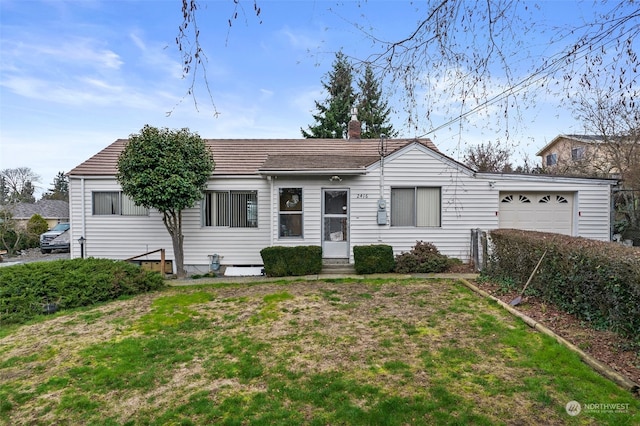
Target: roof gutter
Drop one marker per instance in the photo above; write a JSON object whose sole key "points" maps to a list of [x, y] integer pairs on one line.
{"points": [[314, 172], [547, 178]]}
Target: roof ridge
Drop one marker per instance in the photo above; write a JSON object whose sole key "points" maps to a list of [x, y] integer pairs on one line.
{"points": [[247, 156]]}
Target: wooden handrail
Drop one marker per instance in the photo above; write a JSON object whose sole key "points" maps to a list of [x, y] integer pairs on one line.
{"points": [[162, 251]]}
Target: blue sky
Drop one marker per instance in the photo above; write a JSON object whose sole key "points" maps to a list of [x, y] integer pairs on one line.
{"points": [[77, 75]]}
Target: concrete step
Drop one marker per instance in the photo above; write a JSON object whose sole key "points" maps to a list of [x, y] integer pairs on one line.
{"points": [[335, 261], [337, 268]]}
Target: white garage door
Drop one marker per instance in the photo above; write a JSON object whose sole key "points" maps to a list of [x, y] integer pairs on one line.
{"points": [[545, 212]]}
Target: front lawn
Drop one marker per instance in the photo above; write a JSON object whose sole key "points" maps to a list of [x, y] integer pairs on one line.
{"points": [[322, 352]]}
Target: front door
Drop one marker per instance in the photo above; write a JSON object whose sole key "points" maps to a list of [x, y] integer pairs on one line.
{"points": [[335, 223]]}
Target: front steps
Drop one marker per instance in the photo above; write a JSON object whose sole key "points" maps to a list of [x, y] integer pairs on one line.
{"points": [[337, 267]]}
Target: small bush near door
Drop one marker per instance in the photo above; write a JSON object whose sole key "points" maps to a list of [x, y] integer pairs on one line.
{"points": [[291, 261], [373, 259], [423, 258]]}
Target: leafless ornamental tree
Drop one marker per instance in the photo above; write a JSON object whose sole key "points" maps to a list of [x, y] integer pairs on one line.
{"points": [[463, 58]]}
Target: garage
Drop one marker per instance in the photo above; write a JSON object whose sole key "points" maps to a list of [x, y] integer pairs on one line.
{"points": [[545, 212]]}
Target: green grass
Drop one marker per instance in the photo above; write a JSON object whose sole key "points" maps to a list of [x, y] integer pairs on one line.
{"points": [[339, 352]]}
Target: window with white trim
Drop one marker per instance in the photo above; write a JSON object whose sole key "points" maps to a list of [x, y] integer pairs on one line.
{"points": [[418, 206], [115, 203], [235, 209], [290, 212]]}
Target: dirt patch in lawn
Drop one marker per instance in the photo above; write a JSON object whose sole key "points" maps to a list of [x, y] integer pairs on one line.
{"points": [[617, 352], [429, 350]]}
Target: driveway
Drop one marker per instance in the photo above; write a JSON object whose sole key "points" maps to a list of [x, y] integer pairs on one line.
{"points": [[33, 255]]}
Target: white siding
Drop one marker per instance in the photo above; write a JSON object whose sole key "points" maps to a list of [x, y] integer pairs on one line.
{"points": [[121, 237], [594, 213], [311, 205], [236, 246], [113, 237], [468, 202]]}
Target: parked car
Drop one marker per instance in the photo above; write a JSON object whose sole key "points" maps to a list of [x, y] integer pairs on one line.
{"points": [[56, 238]]}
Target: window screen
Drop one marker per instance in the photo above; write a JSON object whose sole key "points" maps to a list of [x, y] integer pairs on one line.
{"points": [[116, 203], [236, 209], [415, 207]]}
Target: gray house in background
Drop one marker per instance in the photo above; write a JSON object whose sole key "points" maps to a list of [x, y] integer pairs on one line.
{"points": [[53, 211]]}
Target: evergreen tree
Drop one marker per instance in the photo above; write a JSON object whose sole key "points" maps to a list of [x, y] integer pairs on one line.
{"points": [[373, 110], [332, 117], [4, 191], [60, 190], [26, 194]]}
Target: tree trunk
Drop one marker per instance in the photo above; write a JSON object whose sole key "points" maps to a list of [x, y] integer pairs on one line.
{"points": [[173, 222], [178, 251]]}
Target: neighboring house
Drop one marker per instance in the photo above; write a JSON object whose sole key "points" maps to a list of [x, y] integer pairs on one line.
{"points": [[615, 157], [586, 155], [53, 211], [332, 193]]}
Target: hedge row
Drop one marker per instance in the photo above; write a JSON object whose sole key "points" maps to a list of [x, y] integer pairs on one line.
{"points": [[282, 261], [597, 281], [31, 289], [373, 259]]}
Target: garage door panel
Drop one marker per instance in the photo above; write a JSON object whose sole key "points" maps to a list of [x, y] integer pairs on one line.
{"points": [[546, 212]]}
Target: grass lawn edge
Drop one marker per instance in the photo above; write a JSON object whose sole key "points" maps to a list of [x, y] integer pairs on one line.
{"points": [[598, 366]]}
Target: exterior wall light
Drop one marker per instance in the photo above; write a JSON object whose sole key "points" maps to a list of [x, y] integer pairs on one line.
{"points": [[82, 240]]}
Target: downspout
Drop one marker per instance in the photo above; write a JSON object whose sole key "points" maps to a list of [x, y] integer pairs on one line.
{"points": [[271, 211], [381, 176], [83, 212], [382, 150]]}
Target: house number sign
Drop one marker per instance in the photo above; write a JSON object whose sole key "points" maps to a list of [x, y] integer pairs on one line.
{"points": [[362, 195]]}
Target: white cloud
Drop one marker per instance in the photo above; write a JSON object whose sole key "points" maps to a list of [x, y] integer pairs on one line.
{"points": [[299, 40], [85, 92], [304, 99], [74, 52], [266, 94], [138, 41], [154, 56]]}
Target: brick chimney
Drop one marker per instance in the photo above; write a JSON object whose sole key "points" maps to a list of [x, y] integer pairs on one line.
{"points": [[355, 127]]}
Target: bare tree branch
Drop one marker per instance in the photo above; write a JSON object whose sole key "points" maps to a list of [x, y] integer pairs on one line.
{"points": [[193, 57]]}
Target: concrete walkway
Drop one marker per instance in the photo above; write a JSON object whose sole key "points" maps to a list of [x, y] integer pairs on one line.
{"points": [[319, 277]]}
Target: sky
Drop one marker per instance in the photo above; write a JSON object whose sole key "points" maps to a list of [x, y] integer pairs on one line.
{"points": [[77, 75]]}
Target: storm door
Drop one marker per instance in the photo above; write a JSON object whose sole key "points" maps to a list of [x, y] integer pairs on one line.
{"points": [[335, 223]]}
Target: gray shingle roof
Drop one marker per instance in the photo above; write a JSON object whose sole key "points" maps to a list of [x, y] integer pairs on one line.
{"points": [[48, 209]]}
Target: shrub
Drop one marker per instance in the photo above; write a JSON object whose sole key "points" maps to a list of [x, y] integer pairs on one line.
{"points": [[27, 288], [423, 258], [13, 237], [282, 261], [595, 280], [373, 259], [35, 226]]}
